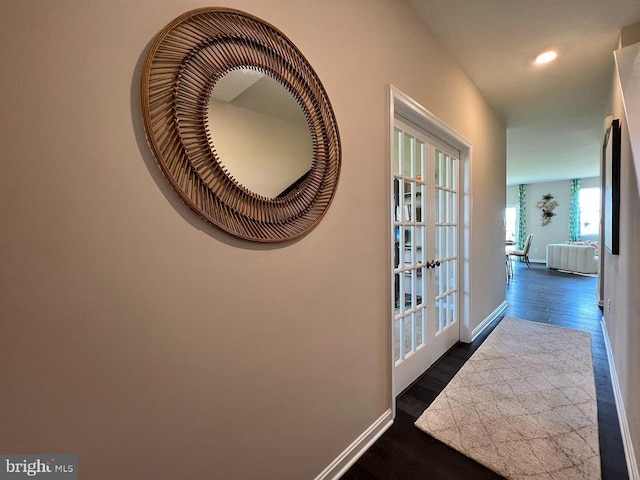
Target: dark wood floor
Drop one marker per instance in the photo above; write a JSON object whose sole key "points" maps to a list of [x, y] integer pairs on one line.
{"points": [[405, 453]]}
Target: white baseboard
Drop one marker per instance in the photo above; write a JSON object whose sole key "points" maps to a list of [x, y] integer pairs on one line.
{"points": [[492, 316], [632, 464], [343, 462]]}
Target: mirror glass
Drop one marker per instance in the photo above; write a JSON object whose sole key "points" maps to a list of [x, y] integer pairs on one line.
{"points": [[259, 132]]}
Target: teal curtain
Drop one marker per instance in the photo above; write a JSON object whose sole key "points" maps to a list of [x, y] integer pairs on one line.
{"points": [[522, 216], [574, 214]]}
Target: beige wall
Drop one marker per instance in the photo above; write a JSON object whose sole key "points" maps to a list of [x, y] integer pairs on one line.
{"points": [[621, 278], [154, 345]]}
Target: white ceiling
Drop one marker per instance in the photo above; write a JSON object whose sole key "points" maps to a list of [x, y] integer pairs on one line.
{"points": [[554, 113]]}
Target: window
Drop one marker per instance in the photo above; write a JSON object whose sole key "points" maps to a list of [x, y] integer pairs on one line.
{"points": [[511, 224], [589, 211]]}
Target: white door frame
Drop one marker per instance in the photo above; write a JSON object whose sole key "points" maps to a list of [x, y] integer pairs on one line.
{"points": [[403, 106]]}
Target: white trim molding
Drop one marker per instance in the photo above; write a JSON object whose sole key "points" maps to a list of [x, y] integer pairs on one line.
{"points": [[485, 323], [353, 452], [632, 464]]}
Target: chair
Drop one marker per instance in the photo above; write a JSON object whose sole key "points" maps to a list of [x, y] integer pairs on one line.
{"points": [[524, 253], [508, 268]]}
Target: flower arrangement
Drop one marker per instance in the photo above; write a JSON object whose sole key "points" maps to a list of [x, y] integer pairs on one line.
{"points": [[547, 204]]}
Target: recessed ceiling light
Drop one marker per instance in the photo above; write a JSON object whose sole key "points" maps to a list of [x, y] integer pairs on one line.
{"points": [[546, 57]]}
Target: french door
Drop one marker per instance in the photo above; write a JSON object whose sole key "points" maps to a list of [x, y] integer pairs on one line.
{"points": [[425, 259]]}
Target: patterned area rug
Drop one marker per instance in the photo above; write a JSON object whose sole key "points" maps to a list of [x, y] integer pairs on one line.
{"points": [[524, 404]]}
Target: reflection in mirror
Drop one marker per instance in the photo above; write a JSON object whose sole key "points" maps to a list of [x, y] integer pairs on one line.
{"points": [[259, 132]]}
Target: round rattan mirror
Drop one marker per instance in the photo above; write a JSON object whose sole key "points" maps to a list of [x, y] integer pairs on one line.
{"points": [[187, 59]]}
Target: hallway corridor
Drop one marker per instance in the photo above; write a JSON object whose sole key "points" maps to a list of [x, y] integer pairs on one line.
{"points": [[538, 294]]}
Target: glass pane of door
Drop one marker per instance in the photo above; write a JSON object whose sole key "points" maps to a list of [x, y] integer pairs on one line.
{"points": [[446, 234], [409, 238]]}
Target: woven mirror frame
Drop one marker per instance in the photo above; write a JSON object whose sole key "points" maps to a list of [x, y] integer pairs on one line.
{"points": [[185, 61]]}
